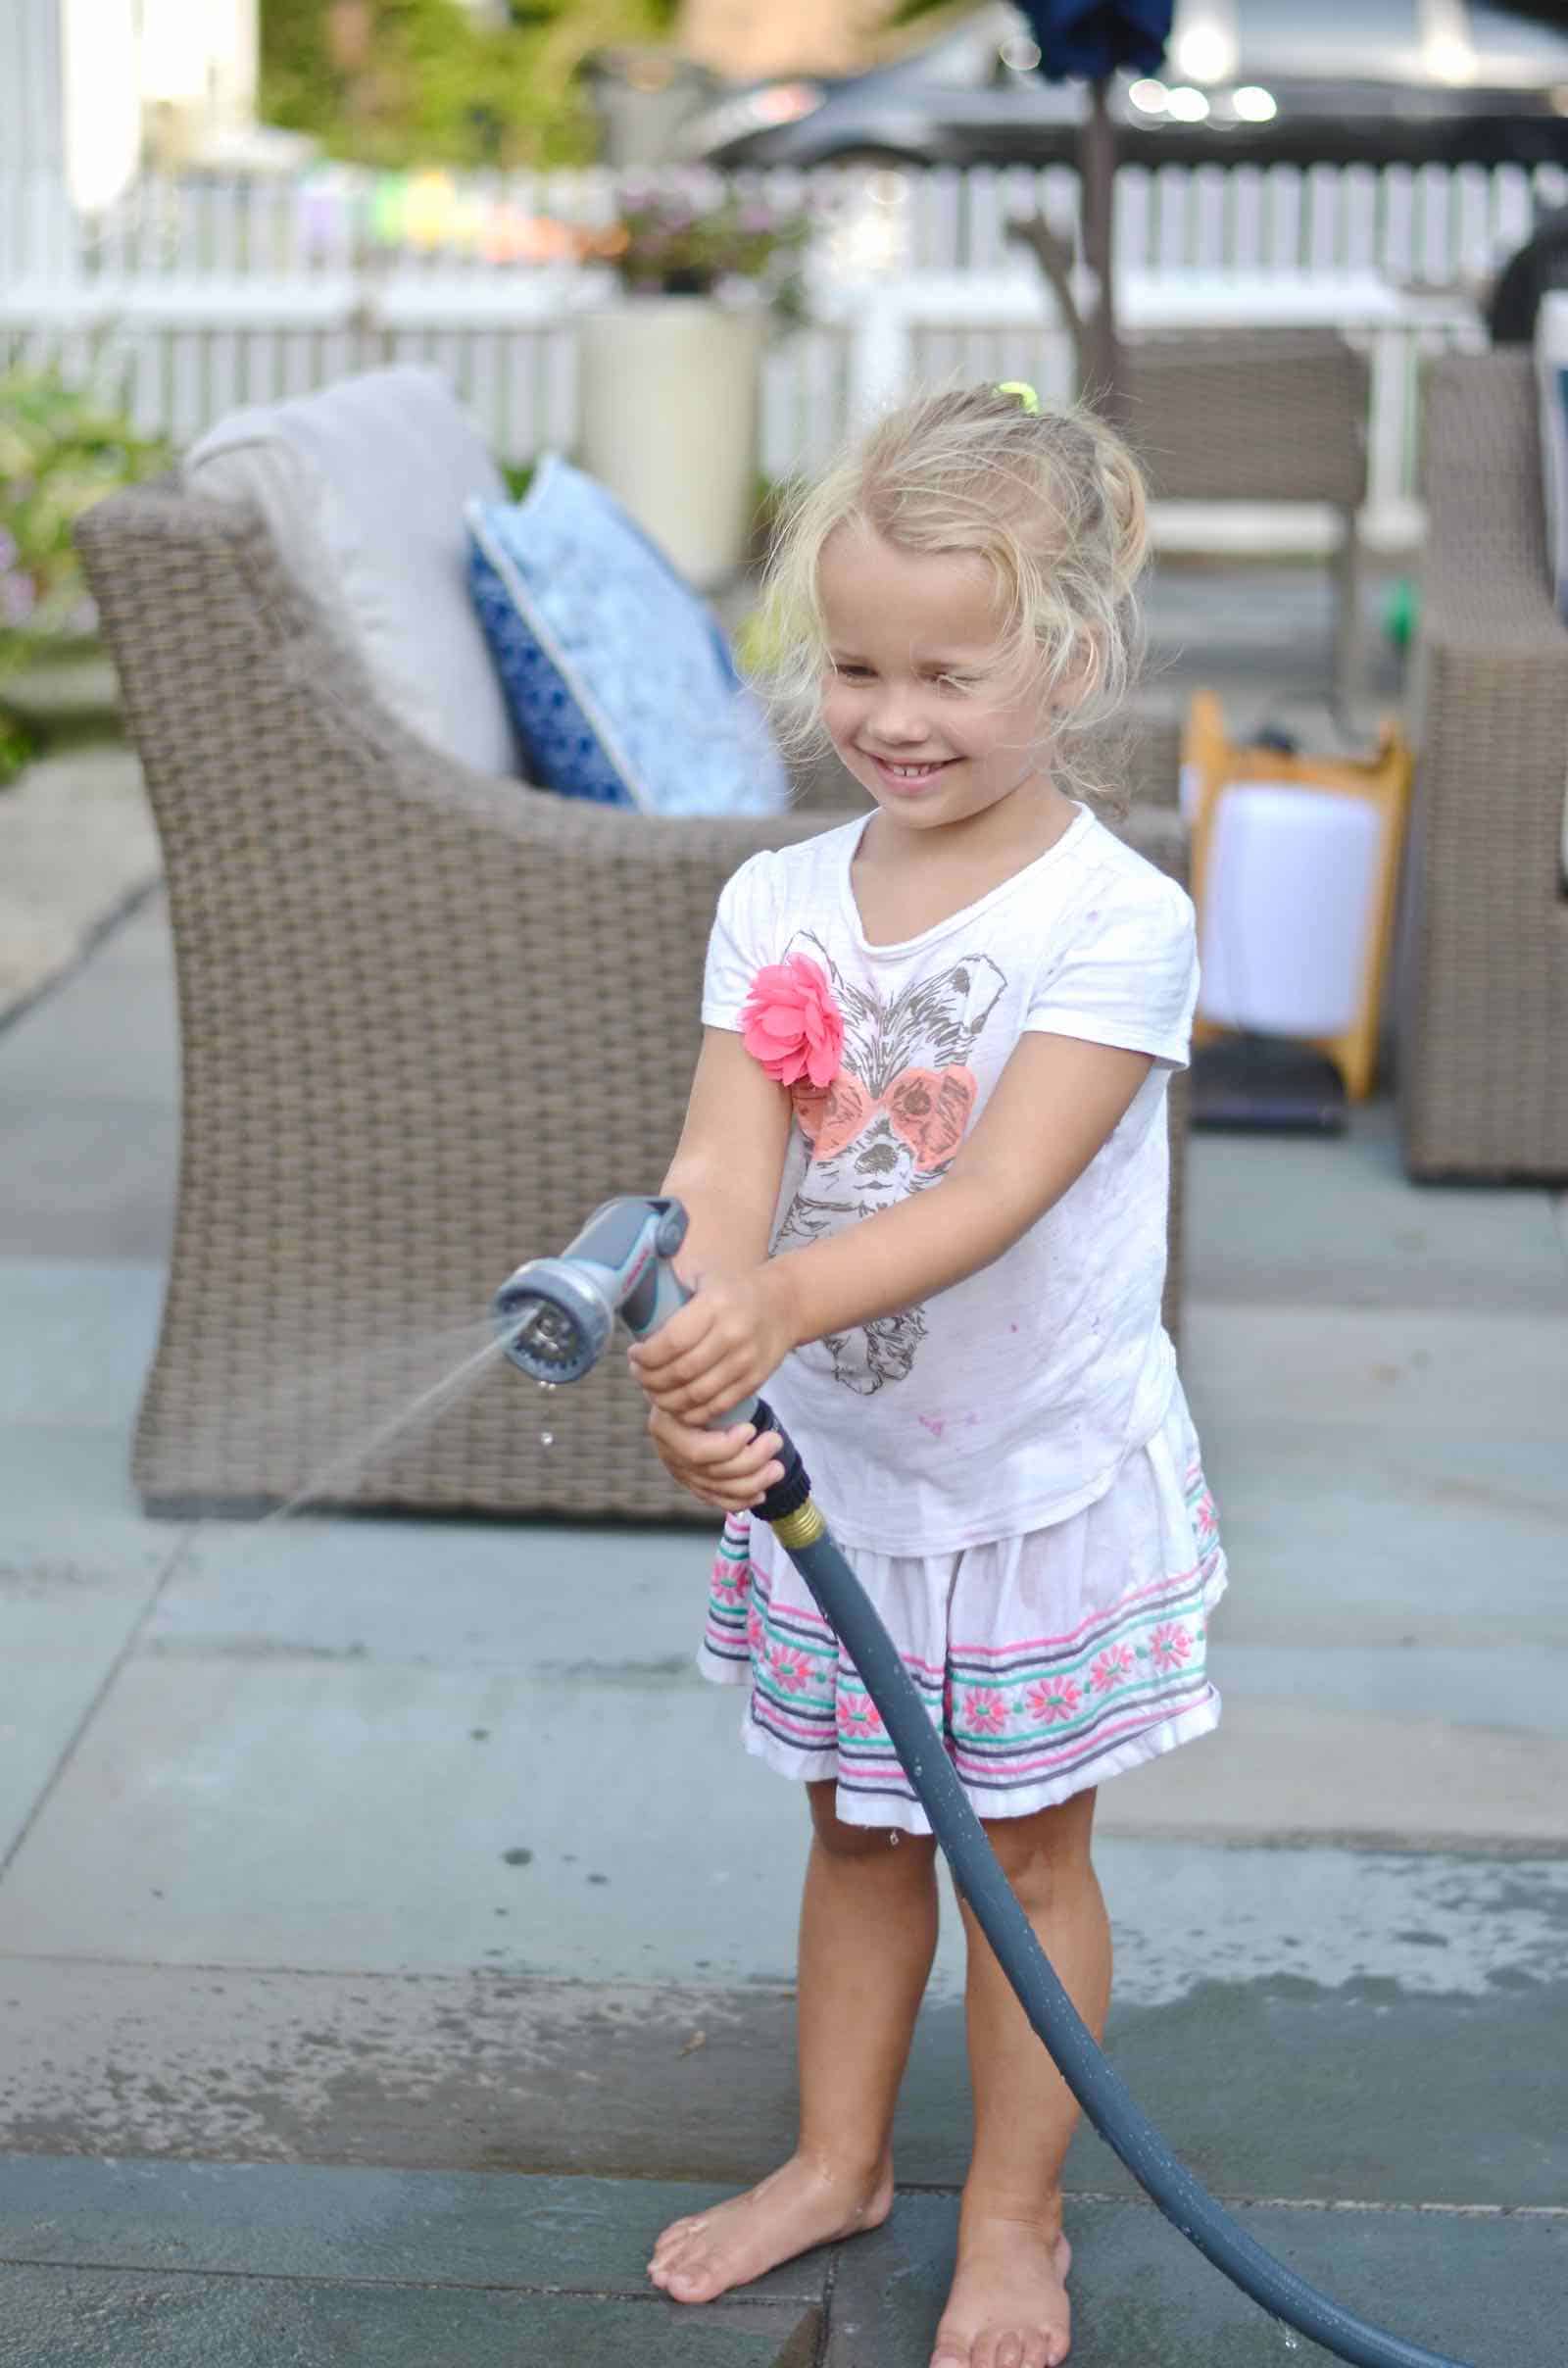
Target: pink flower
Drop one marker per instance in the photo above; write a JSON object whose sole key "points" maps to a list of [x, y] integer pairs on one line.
{"points": [[792, 1668], [856, 1715], [1114, 1664], [731, 1581], [1169, 1646], [755, 1633], [985, 1711], [1054, 1698], [791, 1023]]}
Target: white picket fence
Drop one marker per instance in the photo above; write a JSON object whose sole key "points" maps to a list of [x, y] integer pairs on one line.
{"points": [[196, 296], [1434, 223]]}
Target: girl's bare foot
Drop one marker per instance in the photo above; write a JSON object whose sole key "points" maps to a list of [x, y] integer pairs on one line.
{"points": [[793, 2209], [1008, 2304]]}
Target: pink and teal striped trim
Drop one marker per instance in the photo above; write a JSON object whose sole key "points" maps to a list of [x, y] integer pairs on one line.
{"points": [[1033, 1715]]}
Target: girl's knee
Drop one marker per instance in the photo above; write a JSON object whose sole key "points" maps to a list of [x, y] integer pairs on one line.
{"points": [[879, 1842], [1046, 1853]]}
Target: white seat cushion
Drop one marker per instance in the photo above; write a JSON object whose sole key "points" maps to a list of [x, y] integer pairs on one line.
{"points": [[363, 486]]}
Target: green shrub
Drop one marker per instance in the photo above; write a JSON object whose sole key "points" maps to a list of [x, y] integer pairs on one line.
{"points": [[439, 85], [61, 449]]}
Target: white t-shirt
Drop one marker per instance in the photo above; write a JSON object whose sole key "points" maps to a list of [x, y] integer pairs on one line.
{"points": [[1010, 1399]]}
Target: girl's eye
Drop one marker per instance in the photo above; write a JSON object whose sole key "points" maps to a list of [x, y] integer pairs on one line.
{"points": [[850, 673], [957, 682]]}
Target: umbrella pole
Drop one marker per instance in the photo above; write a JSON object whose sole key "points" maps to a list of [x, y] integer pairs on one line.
{"points": [[1103, 381]]}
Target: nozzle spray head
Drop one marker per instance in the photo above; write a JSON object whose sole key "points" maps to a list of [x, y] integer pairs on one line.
{"points": [[554, 1319], [555, 1315]]}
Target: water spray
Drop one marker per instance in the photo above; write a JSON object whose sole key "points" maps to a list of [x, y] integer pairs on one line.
{"points": [[553, 1317]]}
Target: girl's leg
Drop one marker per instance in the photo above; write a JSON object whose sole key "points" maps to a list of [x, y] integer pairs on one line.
{"points": [[1008, 2304], [869, 1930]]}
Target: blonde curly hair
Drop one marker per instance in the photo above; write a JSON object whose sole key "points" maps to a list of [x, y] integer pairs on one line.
{"points": [[1049, 496]]}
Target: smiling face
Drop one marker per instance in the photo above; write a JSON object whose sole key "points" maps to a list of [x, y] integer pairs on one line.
{"points": [[923, 702]]}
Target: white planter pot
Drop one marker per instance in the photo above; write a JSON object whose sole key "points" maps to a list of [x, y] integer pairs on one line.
{"points": [[667, 403]]}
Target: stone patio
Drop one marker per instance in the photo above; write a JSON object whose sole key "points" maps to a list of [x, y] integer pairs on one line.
{"points": [[339, 2024]]}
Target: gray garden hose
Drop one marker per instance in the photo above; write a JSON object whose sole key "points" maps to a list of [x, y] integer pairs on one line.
{"points": [[555, 1317]]}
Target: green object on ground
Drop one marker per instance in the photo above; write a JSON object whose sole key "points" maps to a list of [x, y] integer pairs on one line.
{"points": [[1402, 613]]}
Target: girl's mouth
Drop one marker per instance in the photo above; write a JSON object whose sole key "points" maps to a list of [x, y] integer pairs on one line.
{"points": [[907, 778]]}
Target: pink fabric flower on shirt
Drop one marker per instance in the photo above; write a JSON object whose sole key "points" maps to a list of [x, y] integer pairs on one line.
{"points": [[791, 1023]]}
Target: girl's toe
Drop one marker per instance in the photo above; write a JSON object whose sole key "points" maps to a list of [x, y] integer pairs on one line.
{"points": [[691, 2280], [673, 2241]]}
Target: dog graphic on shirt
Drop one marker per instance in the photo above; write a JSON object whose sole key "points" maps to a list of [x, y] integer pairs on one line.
{"points": [[887, 1126]]}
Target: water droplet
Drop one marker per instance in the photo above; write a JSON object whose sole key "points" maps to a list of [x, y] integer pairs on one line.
{"points": [[547, 1385], [1293, 2343], [546, 1439]]}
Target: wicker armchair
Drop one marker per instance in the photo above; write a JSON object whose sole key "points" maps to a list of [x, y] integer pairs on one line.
{"points": [[428, 1020], [1261, 416], [1482, 1037]]}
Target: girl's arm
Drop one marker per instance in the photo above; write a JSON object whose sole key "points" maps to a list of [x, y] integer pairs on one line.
{"points": [[1059, 1099], [729, 1160], [1057, 1102], [726, 1171]]}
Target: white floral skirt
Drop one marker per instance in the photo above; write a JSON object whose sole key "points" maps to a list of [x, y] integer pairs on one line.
{"points": [[1047, 1661]]}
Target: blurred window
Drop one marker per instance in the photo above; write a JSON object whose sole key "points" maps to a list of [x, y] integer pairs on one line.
{"points": [[1310, 39]]}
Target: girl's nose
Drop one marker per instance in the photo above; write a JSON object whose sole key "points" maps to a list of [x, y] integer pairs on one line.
{"points": [[896, 718]]}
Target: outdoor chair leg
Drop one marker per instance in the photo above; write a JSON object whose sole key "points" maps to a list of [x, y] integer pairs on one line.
{"points": [[1347, 652]]}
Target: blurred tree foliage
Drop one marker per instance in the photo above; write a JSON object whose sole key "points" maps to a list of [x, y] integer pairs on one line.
{"points": [[397, 82]]}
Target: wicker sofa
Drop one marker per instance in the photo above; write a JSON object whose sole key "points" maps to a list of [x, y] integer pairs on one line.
{"points": [[1482, 1037], [428, 1019]]}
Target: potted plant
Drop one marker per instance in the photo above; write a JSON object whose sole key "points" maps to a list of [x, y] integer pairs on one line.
{"points": [[671, 370]]}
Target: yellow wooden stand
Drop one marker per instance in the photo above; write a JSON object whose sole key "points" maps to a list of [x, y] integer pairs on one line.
{"points": [[1212, 764]]}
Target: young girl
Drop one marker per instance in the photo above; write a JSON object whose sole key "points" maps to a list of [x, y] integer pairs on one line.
{"points": [[925, 1163]]}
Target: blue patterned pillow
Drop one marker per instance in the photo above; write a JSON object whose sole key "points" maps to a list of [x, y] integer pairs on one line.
{"points": [[617, 677]]}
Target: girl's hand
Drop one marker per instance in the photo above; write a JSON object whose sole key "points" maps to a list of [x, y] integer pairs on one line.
{"points": [[729, 1469], [719, 1350]]}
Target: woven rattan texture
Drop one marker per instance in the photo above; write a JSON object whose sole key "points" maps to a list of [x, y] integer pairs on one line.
{"points": [[1261, 414], [1483, 1004], [427, 1021]]}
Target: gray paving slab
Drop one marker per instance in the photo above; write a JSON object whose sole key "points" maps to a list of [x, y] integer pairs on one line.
{"points": [[347, 1812], [1342, 1533], [592, 2236], [67, 1506], [101, 2257], [90, 1177], [1488, 2291], [1334, 1222], [107, 1031], [527, 1596], [1518, 1686], [1286, 1769], [63, 1628], [1277, 2012], [75, 1339], [1350, 1366], [55, 897], [74, 2318]]}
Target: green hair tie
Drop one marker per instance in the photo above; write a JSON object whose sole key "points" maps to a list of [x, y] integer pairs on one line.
{"points": [[1023, 390]]}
